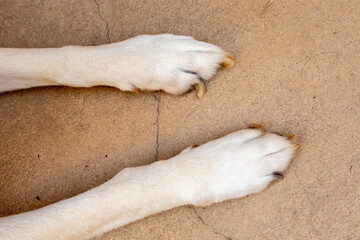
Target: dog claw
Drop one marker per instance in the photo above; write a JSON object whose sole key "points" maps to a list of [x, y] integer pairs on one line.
{"points": [[194, 146], [278, 175], [257, 126], [200, 88], [136, 90], [229, 61], [292, 137]]}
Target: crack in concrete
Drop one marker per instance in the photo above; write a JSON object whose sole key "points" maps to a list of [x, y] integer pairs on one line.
{"points": [[311, 58], [209, 226], [103, 19], [158, 101]]}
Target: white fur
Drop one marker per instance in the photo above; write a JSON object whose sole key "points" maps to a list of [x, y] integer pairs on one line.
{"points": [[146, 62], [236, 165]]}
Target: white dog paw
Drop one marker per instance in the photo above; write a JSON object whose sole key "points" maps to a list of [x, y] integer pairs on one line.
{"points": [[171, 63], [239, 164]]}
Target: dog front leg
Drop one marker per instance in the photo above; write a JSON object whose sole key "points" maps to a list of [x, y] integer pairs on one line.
{"points": [[233, 166], [165, 62]]}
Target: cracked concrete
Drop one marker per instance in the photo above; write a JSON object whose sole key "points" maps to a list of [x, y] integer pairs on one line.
{"points": [[158, 102], [104, 20], [208, 225], [282, 79]]}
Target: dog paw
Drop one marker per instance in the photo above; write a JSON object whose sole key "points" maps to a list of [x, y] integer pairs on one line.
{"points": [[174, 64], [238, 164]]}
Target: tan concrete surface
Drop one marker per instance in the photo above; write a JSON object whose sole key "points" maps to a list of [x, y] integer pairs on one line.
{"points": [[297, 70]]}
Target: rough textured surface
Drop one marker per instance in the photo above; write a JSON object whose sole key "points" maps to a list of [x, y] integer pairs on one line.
{"points": [[297, 71]]}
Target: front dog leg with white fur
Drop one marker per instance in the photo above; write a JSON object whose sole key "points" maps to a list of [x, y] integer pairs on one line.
{"points": [[147, 62], [233, 166]]}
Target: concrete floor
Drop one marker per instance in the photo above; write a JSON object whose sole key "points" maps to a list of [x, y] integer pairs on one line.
{"points": [[297, 70]]}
